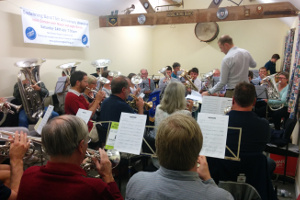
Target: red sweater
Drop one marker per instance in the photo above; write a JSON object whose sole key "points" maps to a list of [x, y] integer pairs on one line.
{"points": [[73, 103], [55, 181]]}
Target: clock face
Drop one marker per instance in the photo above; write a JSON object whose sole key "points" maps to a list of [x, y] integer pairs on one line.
{"points": [[141, 19], [146, 5]]}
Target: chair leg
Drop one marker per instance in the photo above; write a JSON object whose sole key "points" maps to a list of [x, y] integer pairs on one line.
{"points": [[285, 162]]}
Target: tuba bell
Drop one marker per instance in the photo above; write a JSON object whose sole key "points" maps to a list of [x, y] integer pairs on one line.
{"points": [[68, 68], [31, 100], [187, 77]]}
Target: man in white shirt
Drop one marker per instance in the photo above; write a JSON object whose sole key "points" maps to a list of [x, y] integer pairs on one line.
{"points": [[234, 68]]}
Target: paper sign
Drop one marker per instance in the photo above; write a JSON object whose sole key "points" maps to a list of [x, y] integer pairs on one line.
{"points": [[130, 133], [214, 130], [112, 135]]}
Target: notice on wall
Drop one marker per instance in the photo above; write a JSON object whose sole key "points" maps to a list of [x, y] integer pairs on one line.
{"points": [[41, 28]]}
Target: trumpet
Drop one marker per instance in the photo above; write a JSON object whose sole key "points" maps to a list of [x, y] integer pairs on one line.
{"points": [[5, 107], [88, 165], [147, 105]]}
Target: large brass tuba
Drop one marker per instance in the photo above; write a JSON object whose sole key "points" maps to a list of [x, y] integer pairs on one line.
{"points": [[68, 68], [31, 100], [272, 91]]}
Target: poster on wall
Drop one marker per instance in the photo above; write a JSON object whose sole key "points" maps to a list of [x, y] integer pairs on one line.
{"points": [[41, 28]]}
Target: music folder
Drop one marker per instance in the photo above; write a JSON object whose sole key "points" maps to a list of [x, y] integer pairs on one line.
{"points": [[60, 84], [261, 92]]}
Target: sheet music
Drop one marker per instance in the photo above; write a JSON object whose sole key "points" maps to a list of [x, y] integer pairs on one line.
{"points": [[60, 85], [130, 133], [214, 130], [215, 105], [195, 96], [83, 114], [42, 121], [112, 135]]}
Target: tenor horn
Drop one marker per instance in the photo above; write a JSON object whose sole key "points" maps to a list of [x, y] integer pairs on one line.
{"points": [[5, 107]]}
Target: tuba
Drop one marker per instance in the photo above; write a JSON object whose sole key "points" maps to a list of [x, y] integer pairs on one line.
{"points": [[68, 68], [31, 99], [272, 91]]}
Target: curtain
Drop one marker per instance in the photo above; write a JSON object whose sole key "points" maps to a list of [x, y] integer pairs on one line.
{"points": [[295, 80], [288, 50]]}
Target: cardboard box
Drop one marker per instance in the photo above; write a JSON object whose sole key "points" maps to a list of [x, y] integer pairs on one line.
{"points": [[280, 161]]}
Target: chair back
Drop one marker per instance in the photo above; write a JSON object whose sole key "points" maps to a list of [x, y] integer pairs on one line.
{"points": [[240, 191]]}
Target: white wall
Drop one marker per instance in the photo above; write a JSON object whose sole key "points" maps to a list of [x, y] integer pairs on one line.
{"points": [[129, 48]]}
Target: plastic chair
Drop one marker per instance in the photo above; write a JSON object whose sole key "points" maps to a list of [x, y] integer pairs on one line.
{"points": [[240, 191]]}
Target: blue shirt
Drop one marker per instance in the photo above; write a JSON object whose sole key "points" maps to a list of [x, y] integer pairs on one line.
{"points": [[112, 107], [271, 66]]}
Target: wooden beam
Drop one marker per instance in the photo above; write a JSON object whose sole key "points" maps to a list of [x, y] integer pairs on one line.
{"points": [[213, 5], [150, 8], [245, 12]]}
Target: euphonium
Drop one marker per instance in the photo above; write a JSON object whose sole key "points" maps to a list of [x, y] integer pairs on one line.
{"points": [[272, 91], [31, 99], [207, 81], [88, 164]]}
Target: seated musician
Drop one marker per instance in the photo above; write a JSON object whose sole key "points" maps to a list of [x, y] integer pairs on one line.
{"points": [[173, 102], [75, 99], [176, 68], [262, 73], [134, 89], [163, 82], [147, 86], [107, 87], [116, 103], [194, 72], [255, 130], [283, 88], [88, 93], [65, 139], [41, 88], [178, 143], [10, 176]]}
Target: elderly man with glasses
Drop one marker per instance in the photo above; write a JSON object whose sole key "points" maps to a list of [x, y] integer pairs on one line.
{"points": [[65, 139]]}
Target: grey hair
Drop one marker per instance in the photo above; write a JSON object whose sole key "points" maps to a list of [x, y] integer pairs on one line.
{"points": [[62, 135], [174, 98], [91, 79]]}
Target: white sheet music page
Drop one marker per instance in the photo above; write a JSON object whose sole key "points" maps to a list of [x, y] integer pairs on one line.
{"points": [[42, 121], [214, 130], [195, 96], [130, 133], [83, 114], [215, 105]]}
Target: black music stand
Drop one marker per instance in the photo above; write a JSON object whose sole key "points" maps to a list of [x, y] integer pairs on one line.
{"points": [[261, 92]]}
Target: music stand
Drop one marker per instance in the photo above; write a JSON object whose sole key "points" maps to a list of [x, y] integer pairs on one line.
{"points": [[60, 84], [261, 92]]}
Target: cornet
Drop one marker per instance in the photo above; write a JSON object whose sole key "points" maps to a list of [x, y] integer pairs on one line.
{"points": [[4, 149], [5, 107], [88, 164], [147, 105], [188, 78]]}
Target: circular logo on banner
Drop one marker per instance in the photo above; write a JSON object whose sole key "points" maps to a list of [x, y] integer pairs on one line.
{"points": [[30, 33], [84, 39]]}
